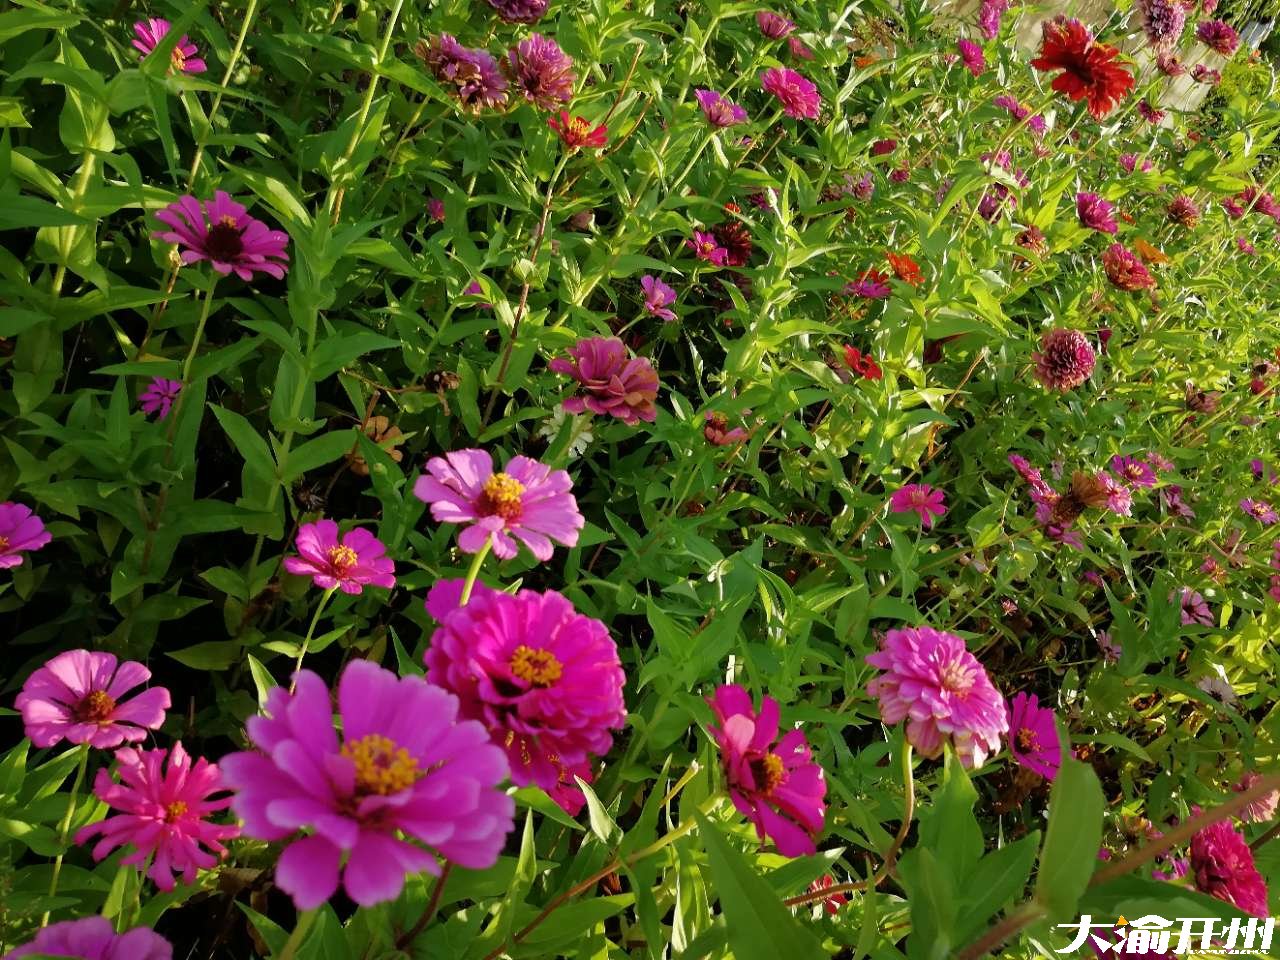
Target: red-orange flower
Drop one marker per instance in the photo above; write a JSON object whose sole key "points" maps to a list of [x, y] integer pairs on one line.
{"points": [[861, 363], [905, 269], [1089, 70], [577, 132]]}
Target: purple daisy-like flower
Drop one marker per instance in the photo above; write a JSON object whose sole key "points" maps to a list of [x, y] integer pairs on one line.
{"points": [[706, 246], [222, 232], [1219, 36], [94, 938], [185, 56], [159, 396], [1136, 473], [520, 11], [1260, 510], [1095, 213], [1033, 736], [658, 297], [356, 561], [472, 76], [21, 531], [774, 25], [719, 110], [540, 71]]}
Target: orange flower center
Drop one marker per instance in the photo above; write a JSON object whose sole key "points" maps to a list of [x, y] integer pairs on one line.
{"points": [[382, 767], [97, 707], [178, 59], [4, 544], [502, 496], [770, 773], [1027, 739], [175, 810], [537, 667], [342, 559]]}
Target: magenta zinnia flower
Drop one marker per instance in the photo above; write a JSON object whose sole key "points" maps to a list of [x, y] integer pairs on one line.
{"points": [[471, 75], [719, 111], [1260, 510], [971, 54], [78, 696], [706, 246], [541, 71], [1162, 20], [543, 679], [407, 782], [773, 781], [159, 395], [21, 531], [612, 384], [658, 297], [520, 11], [920, 498], [1222, 865], [941, 690], [184, 57], [1033, 736], [1065, 359], [774, 25], [799, 97], [222, 232], [1194, 609], [717, 433], [94, 938], [1136, 473], [162, 814], [989, 16], [1095, 213], [527, 501], [1218, 35], [357, 560]]}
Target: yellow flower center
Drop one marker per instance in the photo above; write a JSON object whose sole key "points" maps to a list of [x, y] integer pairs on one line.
{"points": [[97, 707], [502, 496], [382, 767], [175, 810], [178, 59], [537, 667], [342, 559], [772, 772], [4, 544], [1027, 740], [579, 128]]}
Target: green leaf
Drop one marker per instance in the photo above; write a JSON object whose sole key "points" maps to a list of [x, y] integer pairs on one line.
{"points": [[263, 682], [324, 449], [211, 655], [998, 878], [932, 896], [948, 827], [760, 927], [1071, 841], [254, 450], [602, 824]]}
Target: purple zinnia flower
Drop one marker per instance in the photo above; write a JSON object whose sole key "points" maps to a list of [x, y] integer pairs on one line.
{"points": [[1260, 510], [471, 75], [989, 16], [520, 11], [611, 383], [1223, 867], [774, 25], [94, 938], [356, 561], [21, 531], [798, 96], [1218, 35], [184, 57], [920, 498], [541, 71], [222, 232], [706, 246], [1065, 359], [159, 395], [1162, 20], [658, 297], [543, 679], [720, 112], [1194, 608], [407, 782], [971, 54], [872, 285], [1095, 213], [1033, 736], [1136, 473]]}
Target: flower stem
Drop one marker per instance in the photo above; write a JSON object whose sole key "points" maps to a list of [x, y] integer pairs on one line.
{"points": [[306, 643], [476, 563], [403, 941], [299, 934], [232, 63], [65, 826]]}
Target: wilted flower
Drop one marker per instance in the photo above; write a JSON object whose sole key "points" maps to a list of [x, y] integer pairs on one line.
{"points": [[798, 49], [1065, 359], [719, 110], [540, 71], [1095, 213], [222, 232], [1183, 211], [772, 780], [941, 690], [1202, 74], [971, 53], [920, 498], [386, 435], [657, 297], [1222, 865], [577, 132], [471, 75], [1124, 270], [612, 384], [799, 97], [21, 531], [1089, 71], [357, 561], [1033, 736], [1148, 112], [1170, 65], [520, 11], [774, 25], [717, 433], [94, 938], [1219, 36], [1171, 502], [527, 502], [184, 57]]}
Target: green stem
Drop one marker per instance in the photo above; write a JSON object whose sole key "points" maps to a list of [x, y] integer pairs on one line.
{"points": [[299, 934], [476, 562], [199, 335], [306, 643], [232, 63], [81, 183], [65, 826]]}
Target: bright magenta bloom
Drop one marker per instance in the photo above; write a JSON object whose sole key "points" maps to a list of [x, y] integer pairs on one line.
{"points": [[162, 814], [799, 97], [1136, 473], [185, 56], [20, 532], [1260, 510], [159, 396], [357, 561], [719, 111], [706, 246], [541, 71], [1095, 213], [921, 498], [1222, 865], [472, 76], [1033, 736], [774, 25], [1064, 361], [544, 679], [941, 690], [94, 938], [1219, 36], [611, 383], [78, 696], [528, 502], [772, 781], [222, 232], [658, 297], [971, 53], [407, 782]]}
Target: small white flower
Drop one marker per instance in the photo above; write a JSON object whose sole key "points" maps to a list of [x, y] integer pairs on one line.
{"points": [[580, 435]]}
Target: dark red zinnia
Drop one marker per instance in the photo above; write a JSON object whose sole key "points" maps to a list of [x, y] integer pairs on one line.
{"points": [[1089, 69]]}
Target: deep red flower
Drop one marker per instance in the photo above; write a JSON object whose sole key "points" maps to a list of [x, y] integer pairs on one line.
{"points": [[735, 237], [905, 269], [1089, 70], [862, 364], [577, 132]]}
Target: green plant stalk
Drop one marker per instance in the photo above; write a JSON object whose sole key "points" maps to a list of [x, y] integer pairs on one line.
{"points": [[250, 13], [306, 643], [65, 826], [78, 188], [299, 934], [474, 571]]}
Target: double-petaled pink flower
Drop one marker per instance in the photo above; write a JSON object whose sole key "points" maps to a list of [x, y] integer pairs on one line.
{"points": [[1064, 361], [184, 58], [773, 781], [222, 232], [162, 814], [355, 561], [526, 501], [919, 498], [79, 696], [94, 938], [971, 53], [798, 96], [1219, 36], [540, 71], [1222, 865], [21, 531], [1095, 213], [611, 383], [545, 680], [407, 781]]}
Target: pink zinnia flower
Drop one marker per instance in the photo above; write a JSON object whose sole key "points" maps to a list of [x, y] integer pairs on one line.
{"points": [[883, 147], [222, 232], [872, 285], [772, 781], [526, 501], [1245, 247], [1119, 497], [94, 938], [658, 297], [1064, 361], [612, 384], [1222, 865], [1095, 213], [543, 679], [473, 76], [540, 71], [799, 97], [407, 782], [520, 11], [1136, 473], [798, 49], [1163, 21], [435, 209], [717, 433], [357, 560], [21, 531], [1262, 809], [1194, 609], [1260, 510], [78, 696], [989, 16], [919, 498], [774, 25], [971, 53], [1219, 36], [1033, 736], [162, 814], [941, 690], [1170, 65], [719, 111], [1149, 113], [706, 247], [159, 395], [184, 57]]}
